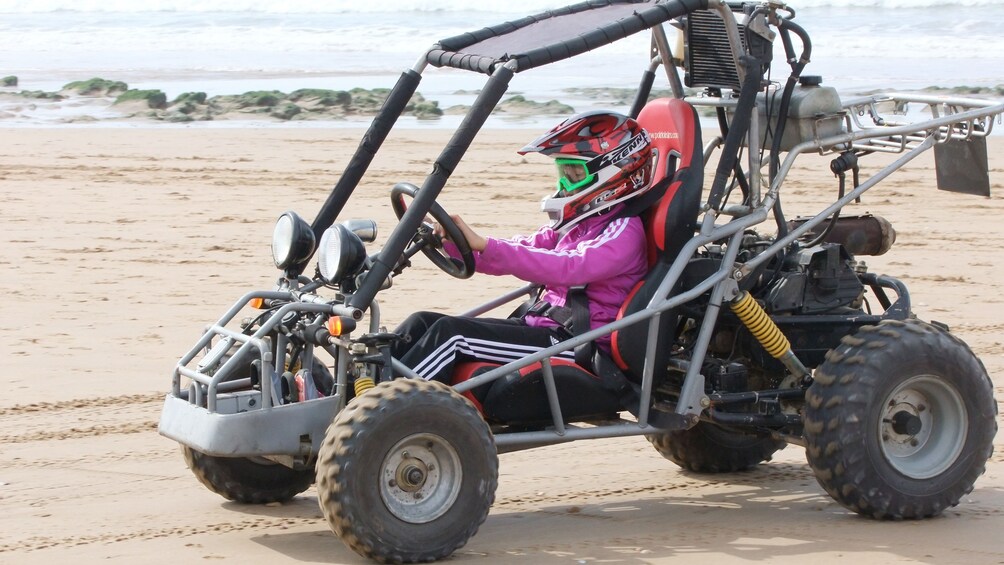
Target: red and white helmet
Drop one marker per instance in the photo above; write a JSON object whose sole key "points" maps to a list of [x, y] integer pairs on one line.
{"points": [[603, 158]]}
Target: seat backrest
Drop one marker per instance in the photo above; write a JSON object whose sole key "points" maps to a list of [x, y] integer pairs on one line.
{"points": [[675, 130], [670, 221]]}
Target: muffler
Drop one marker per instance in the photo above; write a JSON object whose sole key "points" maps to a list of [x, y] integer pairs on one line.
{"points": [[865, 234]]}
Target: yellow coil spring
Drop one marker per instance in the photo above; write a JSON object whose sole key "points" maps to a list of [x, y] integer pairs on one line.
{"points": [[760, 325], [363, 384]]}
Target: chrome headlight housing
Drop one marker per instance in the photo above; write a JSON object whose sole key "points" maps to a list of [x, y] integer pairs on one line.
{"points": [[341, 254], [292, 241]]}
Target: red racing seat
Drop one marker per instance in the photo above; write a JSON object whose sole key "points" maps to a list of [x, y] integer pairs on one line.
{"points": [[669, 222]]}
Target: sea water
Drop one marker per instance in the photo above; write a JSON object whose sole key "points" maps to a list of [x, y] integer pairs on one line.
{"points": [[234, 46]]}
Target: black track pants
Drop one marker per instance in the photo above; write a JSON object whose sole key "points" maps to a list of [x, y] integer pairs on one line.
{"points": [[439, 341]]}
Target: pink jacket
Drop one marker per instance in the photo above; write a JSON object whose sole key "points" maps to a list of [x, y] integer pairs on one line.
{"points": [[609, 256]]}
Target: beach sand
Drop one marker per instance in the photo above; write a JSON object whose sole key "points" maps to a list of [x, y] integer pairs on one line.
{"points": [[121, 244]]}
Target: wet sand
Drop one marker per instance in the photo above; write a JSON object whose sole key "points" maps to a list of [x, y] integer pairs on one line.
{"points": [[119, 245]]}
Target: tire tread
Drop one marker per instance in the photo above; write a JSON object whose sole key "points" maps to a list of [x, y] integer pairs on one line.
{"points": [[846, 383], [343, 438]]}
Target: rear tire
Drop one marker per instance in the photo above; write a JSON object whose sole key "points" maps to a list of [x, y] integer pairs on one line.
{"points": [[245, 480], [709, 448], [407, 472], [900, 421]]}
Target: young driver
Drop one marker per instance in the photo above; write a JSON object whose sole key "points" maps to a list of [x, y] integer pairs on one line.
{"points": [[603, 159]]}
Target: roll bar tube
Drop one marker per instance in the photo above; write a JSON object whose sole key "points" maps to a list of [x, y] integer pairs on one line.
{"points": [[368, 146], [745, 107], [387, 258]]}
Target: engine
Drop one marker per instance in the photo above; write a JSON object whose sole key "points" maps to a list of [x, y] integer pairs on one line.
{"points": [[812, 293], [814, 280]]}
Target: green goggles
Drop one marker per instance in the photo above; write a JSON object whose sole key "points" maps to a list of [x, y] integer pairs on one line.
{"points": [[573, 174]]}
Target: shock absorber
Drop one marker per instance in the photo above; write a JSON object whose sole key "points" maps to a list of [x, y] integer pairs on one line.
{"points": [[363, 384], [364, 379], [768, 334]]}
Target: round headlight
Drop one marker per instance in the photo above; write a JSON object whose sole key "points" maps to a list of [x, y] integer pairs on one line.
{"points": [[340, 254], [292, 240]]}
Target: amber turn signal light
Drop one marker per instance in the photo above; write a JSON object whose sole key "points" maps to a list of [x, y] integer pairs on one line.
{"points": [[339, 325]]}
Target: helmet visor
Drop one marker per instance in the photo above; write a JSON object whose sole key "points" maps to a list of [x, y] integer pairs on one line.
{"points": [[573, 174]]}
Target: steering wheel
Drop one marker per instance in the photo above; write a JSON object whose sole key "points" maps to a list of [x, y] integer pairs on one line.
{"points": [[427, 241]]}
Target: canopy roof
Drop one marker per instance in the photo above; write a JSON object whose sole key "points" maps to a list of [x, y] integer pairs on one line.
{"points": [[557, 34]]}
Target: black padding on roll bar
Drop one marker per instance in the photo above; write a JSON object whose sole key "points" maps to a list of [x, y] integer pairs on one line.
{"points": [[381, 125], [455, 149]]}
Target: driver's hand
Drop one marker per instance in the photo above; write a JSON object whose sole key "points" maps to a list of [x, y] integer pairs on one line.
{"points": [[476, 242]]}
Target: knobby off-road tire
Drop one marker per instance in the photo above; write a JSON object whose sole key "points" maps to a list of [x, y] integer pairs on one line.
{"points": [[407, 472], [251, 480], [900, 421], [245, 480], [707, 448]]}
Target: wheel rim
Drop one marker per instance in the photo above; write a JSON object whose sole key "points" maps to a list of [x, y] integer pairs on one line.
{"points": [[924, 426], [421, 478]]}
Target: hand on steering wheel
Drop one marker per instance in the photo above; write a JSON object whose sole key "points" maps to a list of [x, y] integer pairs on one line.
{"points": [[430, 243]]}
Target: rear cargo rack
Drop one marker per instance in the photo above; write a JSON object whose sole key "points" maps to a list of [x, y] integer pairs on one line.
{"points": [[890, 112]]}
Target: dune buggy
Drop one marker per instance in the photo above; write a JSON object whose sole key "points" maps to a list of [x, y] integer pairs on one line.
{"points": [[740, 339]]}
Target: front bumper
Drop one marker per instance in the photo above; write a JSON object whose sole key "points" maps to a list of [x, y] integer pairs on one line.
{"points": [[241, 430]]}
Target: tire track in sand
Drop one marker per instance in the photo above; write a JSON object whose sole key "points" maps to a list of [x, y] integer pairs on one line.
{"points": [[763, 479], [79, 403], [62, 460], [37, 543], [80, 418]]}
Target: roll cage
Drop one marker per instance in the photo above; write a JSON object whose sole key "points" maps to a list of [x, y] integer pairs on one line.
{"points": [[502, 51], [727, 48]]}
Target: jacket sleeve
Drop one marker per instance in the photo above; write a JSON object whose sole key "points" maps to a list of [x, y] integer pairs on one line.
{"points": [[590, 260], [543, 238]]}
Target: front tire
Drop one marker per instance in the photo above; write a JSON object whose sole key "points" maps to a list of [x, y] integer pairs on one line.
{"points": [[900, 421], [246, 480], [407, 472], [709, 448]]}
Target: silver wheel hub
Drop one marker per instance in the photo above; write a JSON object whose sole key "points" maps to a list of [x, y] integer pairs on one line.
{"points": [[924, 427], [420, 478]]}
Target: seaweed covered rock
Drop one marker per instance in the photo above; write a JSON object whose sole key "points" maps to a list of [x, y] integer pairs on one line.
{"points": [[620, 96], [260, 99], [174, 116], [303, 104], [368, 101], [187, 104], [423, 109], [186, 108], [286, 111], [190, 98], [41, 95], [994, 91], [153, 98], [427, 110], [8, 81], [96, 87], [320, 97], [518, 105]]}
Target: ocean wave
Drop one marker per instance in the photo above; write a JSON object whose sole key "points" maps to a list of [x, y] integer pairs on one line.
{"points": [[389, 6], [894, 4], [276, 6], [194, 40]]}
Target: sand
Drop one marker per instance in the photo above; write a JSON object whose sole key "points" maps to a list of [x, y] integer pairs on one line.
{"points": [[120, 244]]}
